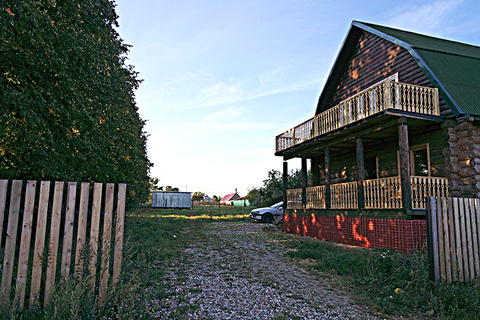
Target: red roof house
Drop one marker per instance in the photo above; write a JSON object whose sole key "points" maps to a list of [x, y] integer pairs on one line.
{"points": [[227, 199]]}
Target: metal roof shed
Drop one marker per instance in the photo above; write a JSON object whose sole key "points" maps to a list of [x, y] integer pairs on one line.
{"points": [[171, 199]]}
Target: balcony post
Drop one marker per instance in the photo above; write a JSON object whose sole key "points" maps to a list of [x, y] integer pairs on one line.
{"points": [[285, 185], [304, 182], [327, 179], [404, 169], [360, 173]]}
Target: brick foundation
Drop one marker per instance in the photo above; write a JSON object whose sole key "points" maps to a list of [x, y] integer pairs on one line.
{"points": [[397, 234]]}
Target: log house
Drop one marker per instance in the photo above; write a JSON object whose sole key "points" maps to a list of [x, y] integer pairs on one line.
{"points": [[398, 120]]}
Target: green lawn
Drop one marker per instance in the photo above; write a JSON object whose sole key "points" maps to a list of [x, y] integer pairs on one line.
{"points": [[393, 282]]}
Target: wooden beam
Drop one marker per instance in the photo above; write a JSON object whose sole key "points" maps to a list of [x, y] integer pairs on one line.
{"points": [[344, 135], [404, 170], [285, 185], [304, 182], [328, 179], [360, 173], [315, 168]]}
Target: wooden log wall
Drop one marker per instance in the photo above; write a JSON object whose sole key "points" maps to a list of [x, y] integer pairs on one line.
{"points": [[462, 153], [48, 218], [374, 59]]}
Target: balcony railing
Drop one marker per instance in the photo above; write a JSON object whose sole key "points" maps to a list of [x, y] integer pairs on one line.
{"points": [[386, 95], [383, 193]]}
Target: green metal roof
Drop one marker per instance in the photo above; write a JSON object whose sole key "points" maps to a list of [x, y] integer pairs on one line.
{"points": [[453, 67]]}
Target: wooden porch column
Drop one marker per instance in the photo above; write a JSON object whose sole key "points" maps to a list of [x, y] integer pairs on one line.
{"points": [[315, 168], [304, 182], [285, 184], [360, 173], [404, 169], [328, 179]]}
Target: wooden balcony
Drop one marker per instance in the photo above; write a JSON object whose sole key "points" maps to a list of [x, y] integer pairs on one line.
{"points": [[386, 95], [383, 193]]}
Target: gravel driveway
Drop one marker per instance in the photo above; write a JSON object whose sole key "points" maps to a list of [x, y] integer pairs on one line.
{"points": [[239, 271]]}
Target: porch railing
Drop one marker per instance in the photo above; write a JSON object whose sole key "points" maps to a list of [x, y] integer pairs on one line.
{"points": [[423, 187], [385, 193], [344, 195], [386, 95], [294, 199], [316, 197]]}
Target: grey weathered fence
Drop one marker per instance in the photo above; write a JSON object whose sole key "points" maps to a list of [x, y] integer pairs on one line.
{"points": [[453, 226], [42, 213]]}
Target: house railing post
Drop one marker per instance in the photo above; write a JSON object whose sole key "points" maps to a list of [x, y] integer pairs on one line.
{"points": [[360, 173], [327, 179], [404, 170], [285, 185], [304, 182]]}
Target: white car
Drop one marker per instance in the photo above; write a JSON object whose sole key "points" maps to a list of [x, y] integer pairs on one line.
{"points": [[267, 214]]}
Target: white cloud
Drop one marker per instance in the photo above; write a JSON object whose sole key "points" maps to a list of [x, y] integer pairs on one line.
{"points": [[224, 115], [427, 18], [270, 76], [219, 94]]}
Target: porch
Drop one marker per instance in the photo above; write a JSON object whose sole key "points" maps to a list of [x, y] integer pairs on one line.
{"points": [[380, 149], [378, 194]]}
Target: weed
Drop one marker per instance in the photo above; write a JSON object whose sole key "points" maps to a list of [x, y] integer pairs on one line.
{"points": [[397, 283]]}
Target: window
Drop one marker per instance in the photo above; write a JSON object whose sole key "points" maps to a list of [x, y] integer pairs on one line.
{"points": [[420, 160], [371, 168]]}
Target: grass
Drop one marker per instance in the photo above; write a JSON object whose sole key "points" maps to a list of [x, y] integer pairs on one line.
{"points": [[155, 239], [394, 282]]}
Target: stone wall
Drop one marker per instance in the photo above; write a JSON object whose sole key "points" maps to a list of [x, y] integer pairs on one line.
{"points": [[462, 157]]}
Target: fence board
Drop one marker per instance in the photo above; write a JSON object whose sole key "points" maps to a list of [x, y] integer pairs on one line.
{"points": [[53, 243], [441, 247], [94, 231], [446, 232], [3, 201], [432, 233], [39, 242], [458, 240], [464, 239], [106, 239], [68, 229], [10, 243], [453, 239], [119, 225], [476, 236], [82, 230], [468, 231], [24, 253]]}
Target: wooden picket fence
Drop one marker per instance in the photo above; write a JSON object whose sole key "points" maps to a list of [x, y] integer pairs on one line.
{"points": [[453, 228], [41, 217]]}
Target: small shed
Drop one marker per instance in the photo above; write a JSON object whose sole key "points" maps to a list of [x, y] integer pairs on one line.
{"points": [[171, 199], [242, 202]]}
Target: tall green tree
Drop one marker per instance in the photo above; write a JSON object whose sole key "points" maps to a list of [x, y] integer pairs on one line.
{"points": [[67, 102]]}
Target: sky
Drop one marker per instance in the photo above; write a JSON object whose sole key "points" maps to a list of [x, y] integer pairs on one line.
{"points": [[223, 78]]}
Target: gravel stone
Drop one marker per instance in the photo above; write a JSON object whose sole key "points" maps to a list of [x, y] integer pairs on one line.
{"points": [[239, 272]]}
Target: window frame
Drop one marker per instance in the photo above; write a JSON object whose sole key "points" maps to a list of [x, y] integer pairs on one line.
{"points": [[412, 158]]}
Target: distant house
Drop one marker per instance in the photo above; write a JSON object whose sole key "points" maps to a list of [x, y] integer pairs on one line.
{"points": [[241, 202], [228, 199], [398, 120], [207, 199]]}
